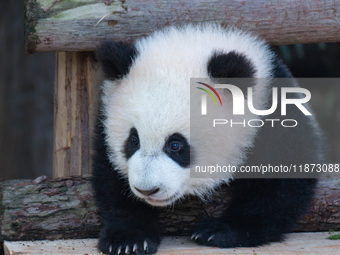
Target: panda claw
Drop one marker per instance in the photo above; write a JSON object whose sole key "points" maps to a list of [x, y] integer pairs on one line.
{"points": [[210, 238], [110, 249], [119, 250], [145, 245], [127, 249], [134, 249], [198, 236]]}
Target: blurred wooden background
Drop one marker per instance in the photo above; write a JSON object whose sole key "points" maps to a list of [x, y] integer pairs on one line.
{"points": [[26, 100]]}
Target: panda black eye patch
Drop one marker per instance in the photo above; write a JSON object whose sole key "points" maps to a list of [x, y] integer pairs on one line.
{"points": [[178, 149], [132, 143]]}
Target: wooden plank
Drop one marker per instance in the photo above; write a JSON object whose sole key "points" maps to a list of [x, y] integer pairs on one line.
{"points": [[64, 208], [295, 243], [76, 94], [76, 25], [94, 80]]}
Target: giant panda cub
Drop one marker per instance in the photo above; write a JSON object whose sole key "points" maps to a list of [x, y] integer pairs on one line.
{"points": [[143, 146]]}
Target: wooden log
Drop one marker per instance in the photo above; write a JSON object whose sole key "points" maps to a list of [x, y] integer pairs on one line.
{"points": [[64, 208], [73, 25], [75, 102], [295, 243]]}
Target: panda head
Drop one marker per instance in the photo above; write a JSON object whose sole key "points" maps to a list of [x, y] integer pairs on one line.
{"points": [[146, 105]]}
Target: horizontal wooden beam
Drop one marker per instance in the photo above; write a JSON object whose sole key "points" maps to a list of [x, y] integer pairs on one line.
{"points": [[64, 208], [74, 25], [295, 243]]}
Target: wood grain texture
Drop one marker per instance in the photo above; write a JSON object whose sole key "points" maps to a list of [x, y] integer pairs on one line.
{"points": [[295, 243], [36, 209], [73, 25], [64, 208], [75, 104]]}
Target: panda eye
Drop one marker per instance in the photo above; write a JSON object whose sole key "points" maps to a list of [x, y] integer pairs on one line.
{"points": [[178, 149], [135, 140], [132, 143], [175, 146]]}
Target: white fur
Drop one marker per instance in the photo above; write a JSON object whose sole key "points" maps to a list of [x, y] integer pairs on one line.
{"points": [[154, 98], [157, 170]]}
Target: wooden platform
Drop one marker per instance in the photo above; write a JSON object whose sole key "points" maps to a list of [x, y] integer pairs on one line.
{"points": [[296, 243]]}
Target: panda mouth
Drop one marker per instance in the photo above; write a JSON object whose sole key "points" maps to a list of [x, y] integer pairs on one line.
{"points": [[162, 202]]}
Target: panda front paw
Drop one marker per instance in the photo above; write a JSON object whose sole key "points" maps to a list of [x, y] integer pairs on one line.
{"points": [[121, 243], [214, 232]]}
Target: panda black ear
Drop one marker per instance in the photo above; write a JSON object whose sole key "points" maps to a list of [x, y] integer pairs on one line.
{"points": [[115, 58], [230, 65]]}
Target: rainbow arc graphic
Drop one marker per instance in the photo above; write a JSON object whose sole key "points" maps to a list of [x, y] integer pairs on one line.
{"points": [[209, 93]]}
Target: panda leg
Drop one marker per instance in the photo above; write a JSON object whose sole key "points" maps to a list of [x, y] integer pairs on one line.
{"points": [[122, 236], [261, 211], [130, 226]]}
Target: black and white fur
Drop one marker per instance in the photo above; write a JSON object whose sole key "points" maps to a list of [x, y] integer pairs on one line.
{"points": [[143, 148]]}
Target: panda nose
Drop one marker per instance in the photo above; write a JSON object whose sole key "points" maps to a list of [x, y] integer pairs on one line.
{"points": [[148, 192]]}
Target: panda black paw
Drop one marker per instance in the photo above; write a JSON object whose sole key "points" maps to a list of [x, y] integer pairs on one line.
{"points": [[121, 243], [214, 232]]}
